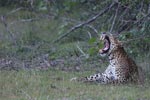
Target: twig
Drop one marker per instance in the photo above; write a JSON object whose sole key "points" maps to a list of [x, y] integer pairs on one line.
{"points": [[115, 16], [15, 10], [3, 20], [25, 20], [127, 7], [123, 13], [84, 54], [86, 22], [141, 37], [93, 28], [89, 26], [135, 23], [89, 34]]}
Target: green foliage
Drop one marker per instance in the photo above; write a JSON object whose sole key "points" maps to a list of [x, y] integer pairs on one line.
{"points": [[92, 40], [136, 42], [92, 51]]}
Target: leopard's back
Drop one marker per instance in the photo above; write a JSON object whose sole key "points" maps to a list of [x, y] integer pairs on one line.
{"points": [[125, 68]]}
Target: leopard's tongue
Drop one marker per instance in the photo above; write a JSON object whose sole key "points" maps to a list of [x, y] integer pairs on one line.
{"points": [[106, 45]]}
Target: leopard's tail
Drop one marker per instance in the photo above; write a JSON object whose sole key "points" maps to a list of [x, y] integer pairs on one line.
{"points": [[96, 78]]}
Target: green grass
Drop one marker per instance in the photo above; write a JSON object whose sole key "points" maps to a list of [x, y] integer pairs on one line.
{"points": [[56, 85]]}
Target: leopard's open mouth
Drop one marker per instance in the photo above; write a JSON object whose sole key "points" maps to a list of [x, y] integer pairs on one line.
{"points": [[106, 47]]}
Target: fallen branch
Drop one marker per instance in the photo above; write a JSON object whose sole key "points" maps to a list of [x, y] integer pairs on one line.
{"points": [[86, 22]]}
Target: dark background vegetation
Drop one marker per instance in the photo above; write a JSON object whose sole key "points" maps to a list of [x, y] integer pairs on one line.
{"points": [[45, 33], [52, 33]]}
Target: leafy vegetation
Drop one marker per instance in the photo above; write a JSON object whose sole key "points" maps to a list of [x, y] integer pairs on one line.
{"points": [[27, 32]]}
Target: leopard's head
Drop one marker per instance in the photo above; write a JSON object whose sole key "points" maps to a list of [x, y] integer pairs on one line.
{"points": [[111, 44]]}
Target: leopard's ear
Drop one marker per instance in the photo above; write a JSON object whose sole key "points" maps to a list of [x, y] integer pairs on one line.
{"points": [[119, 42]]}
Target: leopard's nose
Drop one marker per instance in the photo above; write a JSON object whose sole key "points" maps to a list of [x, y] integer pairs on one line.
{"points": [[103, 33]]}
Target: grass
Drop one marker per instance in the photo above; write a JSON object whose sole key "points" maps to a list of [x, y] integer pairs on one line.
{"points": [[56, 85]]}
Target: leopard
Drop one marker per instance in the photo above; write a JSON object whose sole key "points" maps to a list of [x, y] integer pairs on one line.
{"points": [[121, 69]]}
